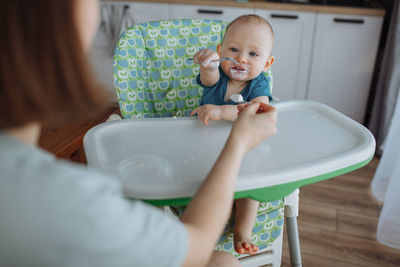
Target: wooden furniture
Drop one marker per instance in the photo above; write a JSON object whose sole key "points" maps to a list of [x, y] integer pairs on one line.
{"points": [[67, 141]]}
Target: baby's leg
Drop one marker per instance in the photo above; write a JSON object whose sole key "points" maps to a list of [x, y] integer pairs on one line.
{"points": [[246, 212]]}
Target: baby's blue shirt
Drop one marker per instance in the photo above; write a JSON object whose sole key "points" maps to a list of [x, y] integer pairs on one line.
{"points": [[259, 86]]}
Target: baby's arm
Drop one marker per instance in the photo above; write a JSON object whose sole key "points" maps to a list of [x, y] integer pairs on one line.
{"points": [[213, 112], [225, 112], [209, 73], [263, 99], [230, 112]]}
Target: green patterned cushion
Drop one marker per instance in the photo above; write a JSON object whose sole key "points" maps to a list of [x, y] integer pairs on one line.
{"points": [[153, 74]]}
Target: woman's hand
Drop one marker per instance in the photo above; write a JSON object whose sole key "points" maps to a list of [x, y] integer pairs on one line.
{"points": [[255, 123], [208, 112]]}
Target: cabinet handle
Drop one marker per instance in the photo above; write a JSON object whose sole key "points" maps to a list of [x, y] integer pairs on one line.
{"points": [[354, 21], [208, 11], [279, 16]]}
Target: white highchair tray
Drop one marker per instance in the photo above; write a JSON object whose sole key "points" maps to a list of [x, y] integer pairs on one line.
{"points": [[168, 158]]}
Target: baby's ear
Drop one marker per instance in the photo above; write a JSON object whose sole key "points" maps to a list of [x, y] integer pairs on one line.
{"points": [[219, 50], [270, 61]]}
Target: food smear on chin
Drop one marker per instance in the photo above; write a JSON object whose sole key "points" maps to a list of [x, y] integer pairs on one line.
{"points": [[238, 71]]}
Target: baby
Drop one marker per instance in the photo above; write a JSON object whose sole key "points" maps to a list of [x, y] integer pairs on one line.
{"points": [[248, 39]]}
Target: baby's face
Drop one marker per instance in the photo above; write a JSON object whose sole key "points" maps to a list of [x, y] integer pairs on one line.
{"points": [[249, 43]]}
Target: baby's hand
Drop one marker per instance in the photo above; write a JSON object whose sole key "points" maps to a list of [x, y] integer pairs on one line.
{"points": [[208, 112], [205, 57]]}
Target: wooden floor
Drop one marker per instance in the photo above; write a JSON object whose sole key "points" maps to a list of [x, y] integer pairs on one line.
{"points": [[337, 223]]}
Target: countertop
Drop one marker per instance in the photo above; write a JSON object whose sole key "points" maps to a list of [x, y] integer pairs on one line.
{"points": [[376, 8]]}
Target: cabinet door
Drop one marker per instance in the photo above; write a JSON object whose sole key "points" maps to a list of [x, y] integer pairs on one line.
{"points": [[179, 11], [343, 62], [292, 50], [143, 12]]}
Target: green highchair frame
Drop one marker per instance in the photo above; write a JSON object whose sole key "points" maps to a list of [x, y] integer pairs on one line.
{"points": [[154, 77]]}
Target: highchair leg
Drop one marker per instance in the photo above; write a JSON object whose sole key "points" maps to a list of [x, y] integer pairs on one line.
{"points": [[291, 213]]}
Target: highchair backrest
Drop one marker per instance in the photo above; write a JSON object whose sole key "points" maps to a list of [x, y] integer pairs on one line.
{"points": [[153, 73]]}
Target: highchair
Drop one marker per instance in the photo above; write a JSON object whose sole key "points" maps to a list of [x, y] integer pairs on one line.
{"points": [[154, 78]]}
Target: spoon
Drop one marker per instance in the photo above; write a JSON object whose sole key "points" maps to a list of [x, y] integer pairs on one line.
{"points": [[238, 99], [222, 59]]}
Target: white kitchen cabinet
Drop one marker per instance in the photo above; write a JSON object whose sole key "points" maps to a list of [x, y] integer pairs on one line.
{"points": [[143, 12], [343, 61], [179, 11], [292, 51]]}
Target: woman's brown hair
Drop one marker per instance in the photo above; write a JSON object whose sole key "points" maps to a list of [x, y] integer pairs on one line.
{"points": [[44, 74]]}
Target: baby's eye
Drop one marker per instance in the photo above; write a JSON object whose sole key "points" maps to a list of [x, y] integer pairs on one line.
{"points": [[253, 54], [233, 49]]}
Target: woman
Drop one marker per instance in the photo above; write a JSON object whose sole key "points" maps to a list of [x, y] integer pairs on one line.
{"points": [[56, 213]]}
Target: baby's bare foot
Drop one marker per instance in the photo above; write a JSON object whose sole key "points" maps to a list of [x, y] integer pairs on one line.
{"points": [[243, 245]]}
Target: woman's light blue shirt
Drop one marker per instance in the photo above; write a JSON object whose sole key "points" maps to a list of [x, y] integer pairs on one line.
{"points": [[57, 213]]}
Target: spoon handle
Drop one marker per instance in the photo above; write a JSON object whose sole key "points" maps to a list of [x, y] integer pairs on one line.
{"points": [[230, 59], [222, 59]]}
